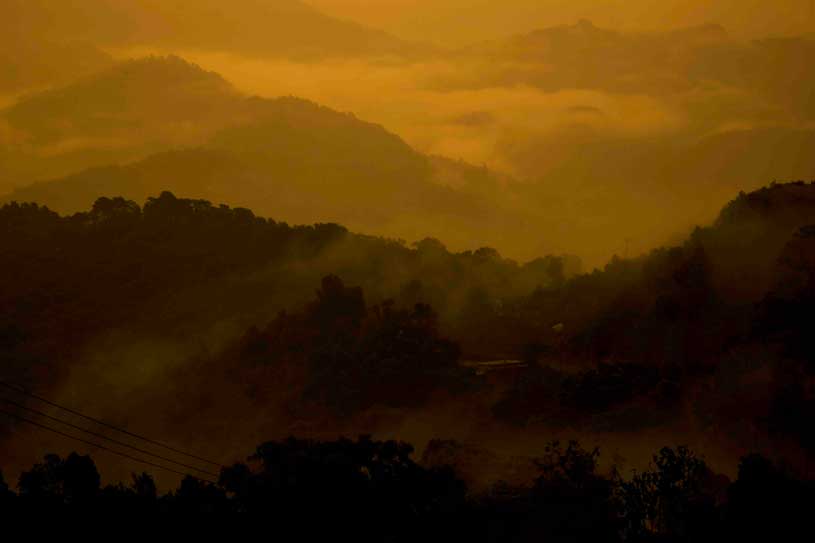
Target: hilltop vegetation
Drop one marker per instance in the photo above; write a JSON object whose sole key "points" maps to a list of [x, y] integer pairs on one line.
{"points": [[119, 264]]}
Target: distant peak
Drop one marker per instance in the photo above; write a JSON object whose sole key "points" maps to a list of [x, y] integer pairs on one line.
{"points": [[708, 30]]}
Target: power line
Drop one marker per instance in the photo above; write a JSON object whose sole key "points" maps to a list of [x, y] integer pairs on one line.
{"points": [[102, 436], [105, 424], [100, 446]]}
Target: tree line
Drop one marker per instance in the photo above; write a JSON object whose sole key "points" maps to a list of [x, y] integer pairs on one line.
{"points": [[390, 497]]}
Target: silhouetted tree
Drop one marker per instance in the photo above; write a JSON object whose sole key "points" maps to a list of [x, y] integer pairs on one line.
{"points": [[196, 496], [342, 477], [671, 499], [74, 480], [767, 503], [5, 493], [572, 502]]}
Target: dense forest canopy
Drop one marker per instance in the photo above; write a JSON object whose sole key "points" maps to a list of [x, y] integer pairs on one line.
{"points": [[181, 247]]}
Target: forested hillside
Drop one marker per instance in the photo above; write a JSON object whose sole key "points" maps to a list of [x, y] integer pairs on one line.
{"points": [[708, 336]]}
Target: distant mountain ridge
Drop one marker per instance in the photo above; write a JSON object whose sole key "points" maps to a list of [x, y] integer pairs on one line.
{"points": [[586, 56], [269, 28], [128, 94]]}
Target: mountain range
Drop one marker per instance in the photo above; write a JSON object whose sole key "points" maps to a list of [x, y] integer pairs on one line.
{"points": [[173, 126]]}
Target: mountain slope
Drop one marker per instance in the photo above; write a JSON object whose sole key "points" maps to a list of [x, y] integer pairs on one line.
{"points": [[126, 97], [125, 112]]}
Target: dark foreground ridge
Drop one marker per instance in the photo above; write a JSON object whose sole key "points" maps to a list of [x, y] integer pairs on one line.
{"points": [[677, 499]]}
